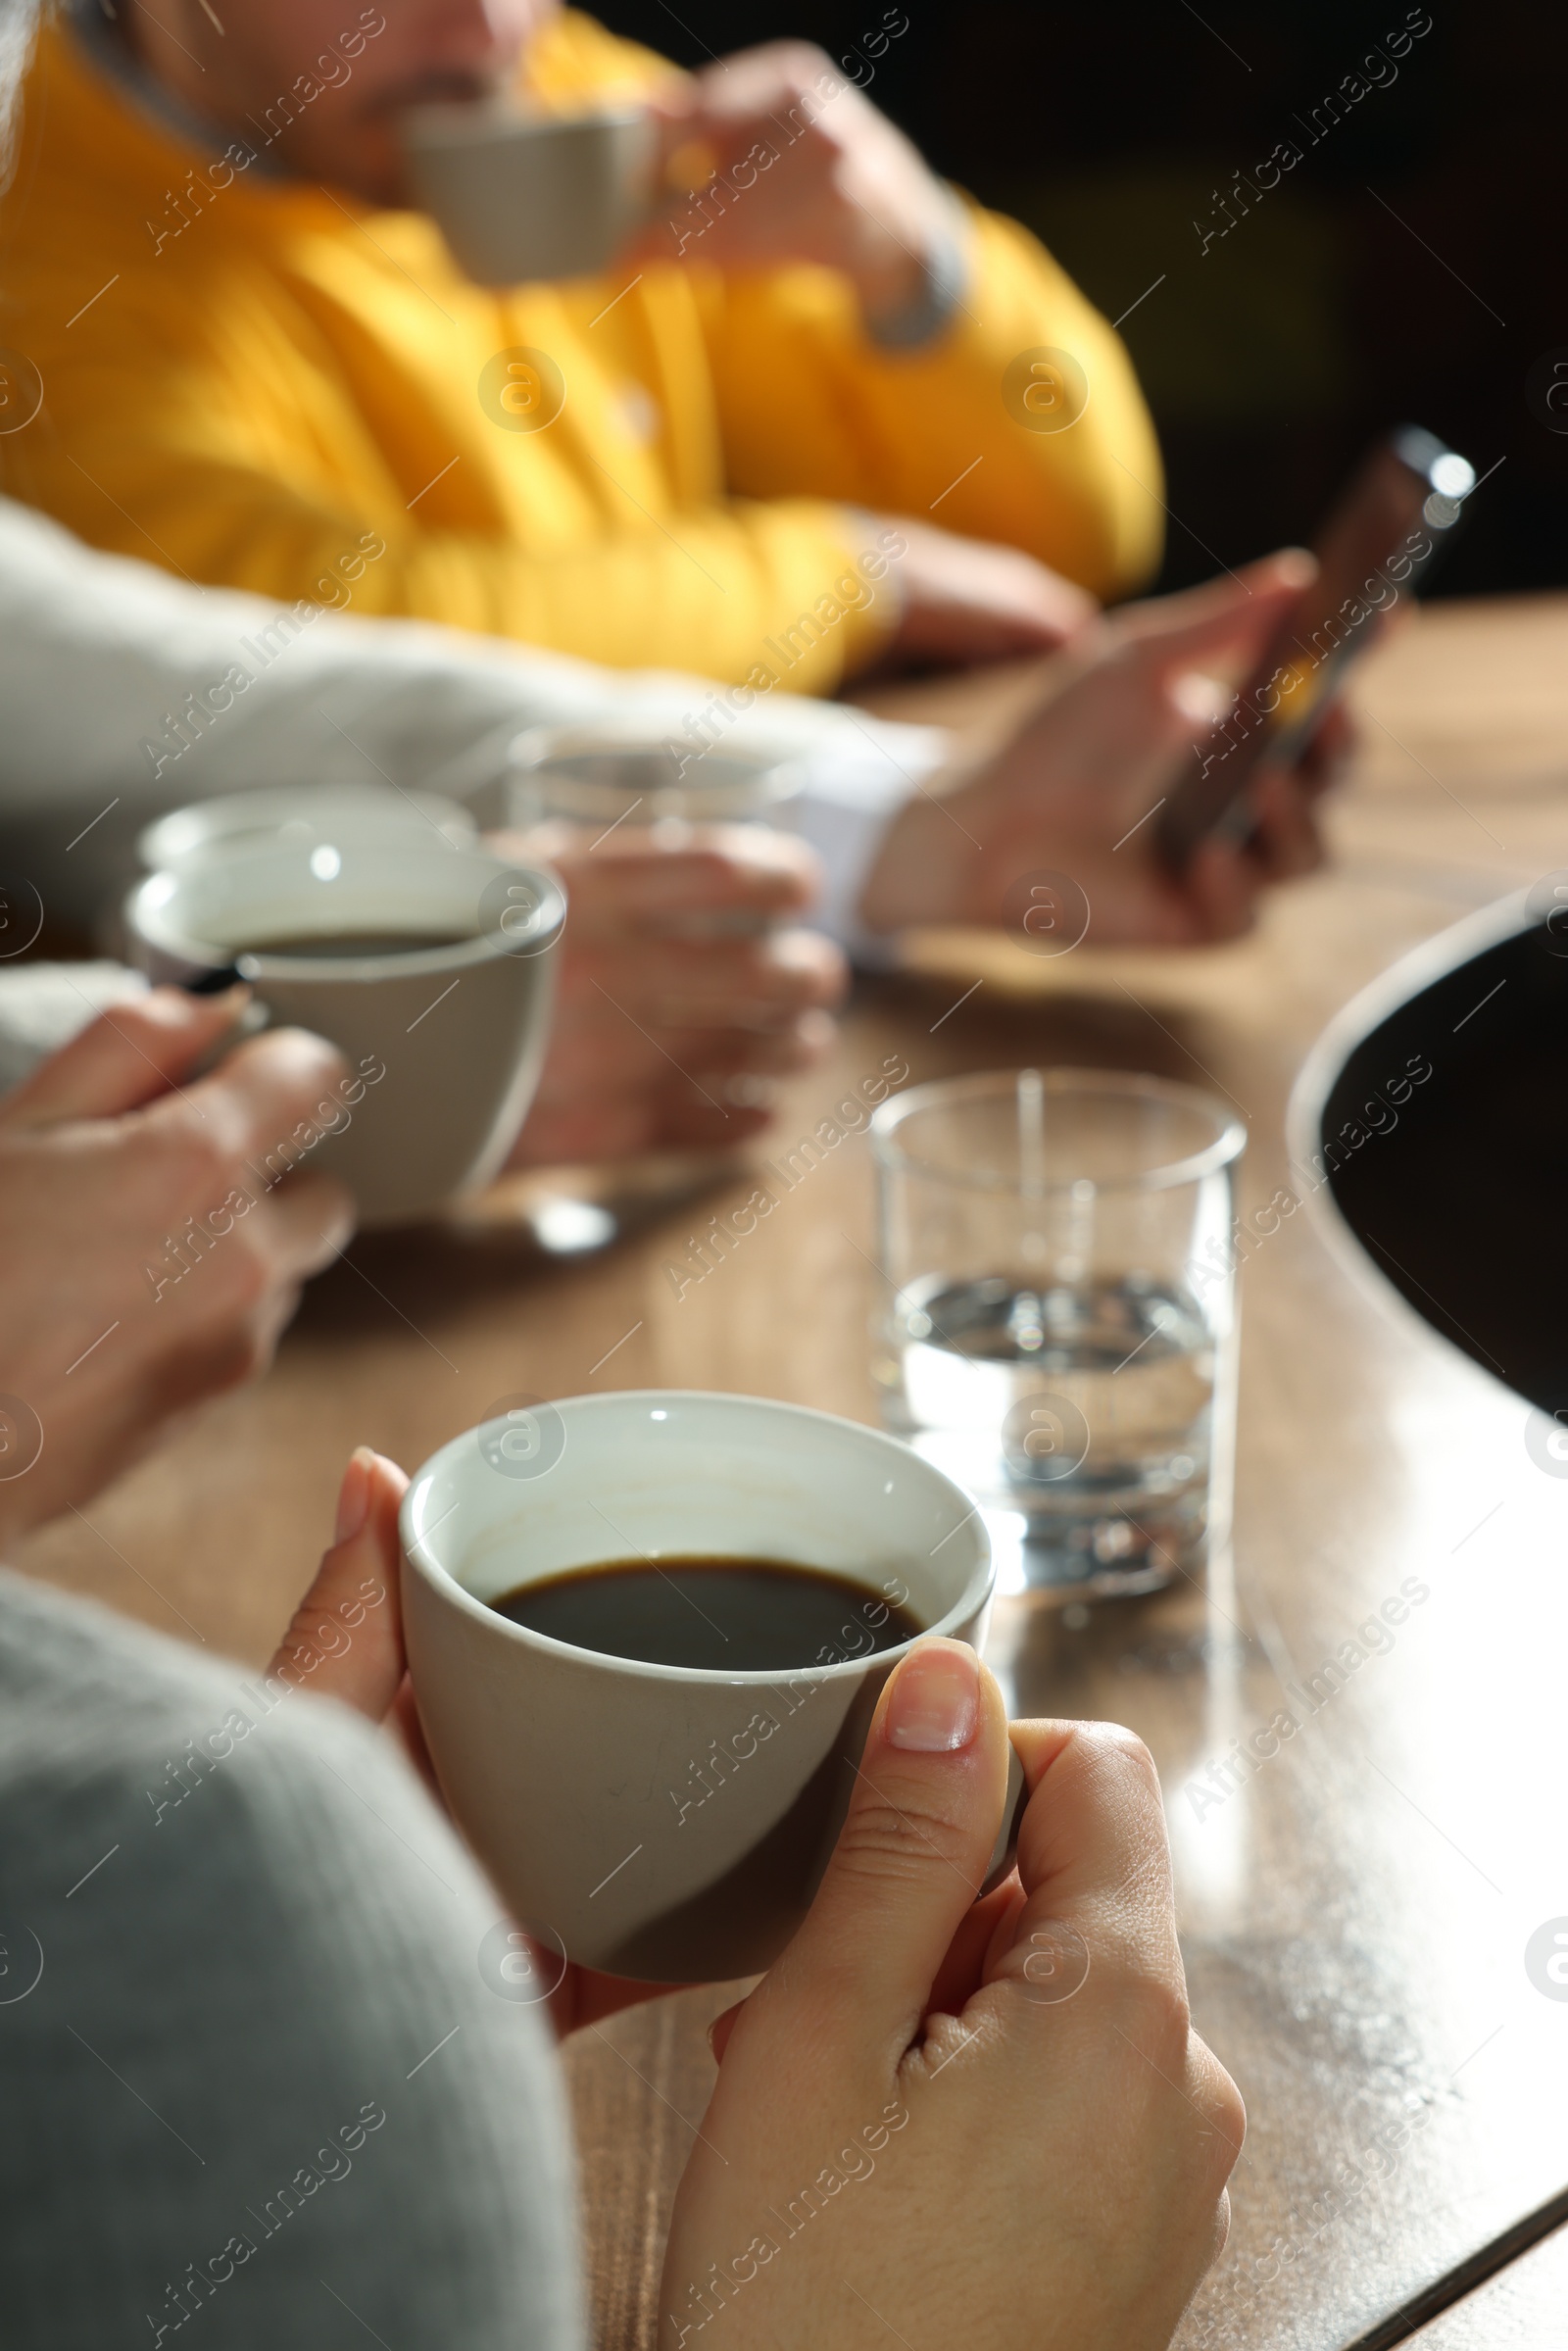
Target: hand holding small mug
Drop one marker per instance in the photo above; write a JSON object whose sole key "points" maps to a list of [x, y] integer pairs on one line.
{"points": [[817, 173], [145, 1265], [985, 2120], [981, 2123], [345, 1641]]}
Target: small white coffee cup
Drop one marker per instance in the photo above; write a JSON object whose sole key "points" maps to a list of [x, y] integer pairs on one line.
{"points": [[444, 1043], [660, 1822], [525, 197], [284, 816]]}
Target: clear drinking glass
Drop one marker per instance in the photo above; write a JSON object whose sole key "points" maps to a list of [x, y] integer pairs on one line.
{"points": [[606, 776], [608, 779], [1058, 1330]]}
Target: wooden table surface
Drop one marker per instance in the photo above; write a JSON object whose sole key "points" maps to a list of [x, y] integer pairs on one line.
{"points": [[1524, 2309], [1354, 1919]]}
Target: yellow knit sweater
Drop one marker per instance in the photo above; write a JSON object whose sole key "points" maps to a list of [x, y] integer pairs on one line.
{"points": [[242, 376]]}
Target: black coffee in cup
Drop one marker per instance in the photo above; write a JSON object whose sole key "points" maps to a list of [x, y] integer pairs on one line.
{"points": [[337, 944], [722, 1615]]}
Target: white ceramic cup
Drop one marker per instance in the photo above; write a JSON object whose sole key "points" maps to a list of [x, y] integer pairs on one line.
{"points": [[444, 1043], [284, 816], [662, 1822], [523, 197]]}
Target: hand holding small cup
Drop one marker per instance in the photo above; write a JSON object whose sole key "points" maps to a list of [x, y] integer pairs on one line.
{"points": [[948, 2120]]}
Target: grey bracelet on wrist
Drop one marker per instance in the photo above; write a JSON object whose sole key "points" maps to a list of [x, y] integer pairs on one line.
{"points": [[944, 275]]}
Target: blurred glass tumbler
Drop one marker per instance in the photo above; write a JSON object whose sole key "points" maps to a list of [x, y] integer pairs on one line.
{"points": [[1059, 1333], [604, 777], [608, 780]]}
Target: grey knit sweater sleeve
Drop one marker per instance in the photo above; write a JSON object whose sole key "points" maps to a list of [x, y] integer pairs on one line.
{"points": [[264, 2084]]}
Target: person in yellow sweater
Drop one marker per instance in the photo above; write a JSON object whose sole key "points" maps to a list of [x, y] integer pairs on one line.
{"points": [[790, 442]]}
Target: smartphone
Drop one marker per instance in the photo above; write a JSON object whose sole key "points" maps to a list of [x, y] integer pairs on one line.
{"points": [[1390, 523]]}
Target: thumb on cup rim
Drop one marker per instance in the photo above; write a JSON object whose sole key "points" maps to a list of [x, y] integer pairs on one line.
{"points": [[911, 1857]]}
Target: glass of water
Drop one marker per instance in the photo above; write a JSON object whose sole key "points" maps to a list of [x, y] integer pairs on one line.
{"points": [[606, 776], [1059, 1327], [607, 780]]}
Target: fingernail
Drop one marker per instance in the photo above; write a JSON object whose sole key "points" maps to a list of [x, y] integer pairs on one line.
{"points": [[174, 1006], [933, 1706], [1200, 698], [353, 1496]]}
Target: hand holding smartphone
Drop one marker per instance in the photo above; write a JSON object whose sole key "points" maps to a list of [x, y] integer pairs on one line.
{"points": [[1392, 520]]}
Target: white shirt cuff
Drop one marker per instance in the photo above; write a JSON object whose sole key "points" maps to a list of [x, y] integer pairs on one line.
{"points": [[850, 795]]}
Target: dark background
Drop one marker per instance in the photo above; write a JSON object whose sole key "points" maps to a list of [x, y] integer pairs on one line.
{"points": [[1271, 357]]}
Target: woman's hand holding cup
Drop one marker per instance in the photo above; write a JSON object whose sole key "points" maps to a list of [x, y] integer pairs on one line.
{"points": [[972, 2122], [973, 2119], [345, 1641]]}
